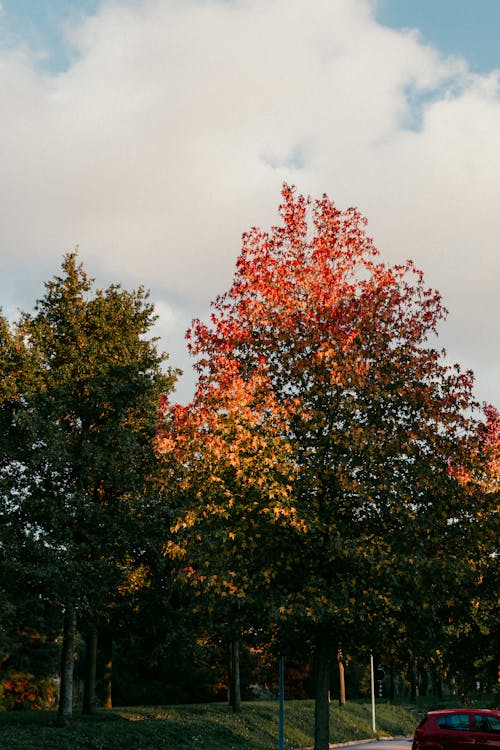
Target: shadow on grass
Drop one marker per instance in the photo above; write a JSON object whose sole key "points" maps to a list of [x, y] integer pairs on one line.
{"points": [[206, 726]]}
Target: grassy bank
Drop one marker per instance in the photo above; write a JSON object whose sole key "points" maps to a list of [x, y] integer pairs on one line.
{"points": [[201, 727]]}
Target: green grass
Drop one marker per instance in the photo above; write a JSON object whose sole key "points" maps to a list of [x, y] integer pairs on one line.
{"points": [[198, 727]]}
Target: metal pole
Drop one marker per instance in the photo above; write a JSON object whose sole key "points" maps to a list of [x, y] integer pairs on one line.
{"points": [[372, 680], [281, 736]]}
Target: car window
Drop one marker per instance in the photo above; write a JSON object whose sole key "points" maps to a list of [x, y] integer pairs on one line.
{"points": [[487, 723], [454, 721]]}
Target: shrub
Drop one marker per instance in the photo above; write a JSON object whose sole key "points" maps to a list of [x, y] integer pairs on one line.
{"points": [[23, 691]]}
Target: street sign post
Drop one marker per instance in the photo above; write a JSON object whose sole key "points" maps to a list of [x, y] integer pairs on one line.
{"points": [[372, 680], [281, 730]]}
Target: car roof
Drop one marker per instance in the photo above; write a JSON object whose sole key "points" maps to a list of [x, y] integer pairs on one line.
{"points": [[443, 711]]}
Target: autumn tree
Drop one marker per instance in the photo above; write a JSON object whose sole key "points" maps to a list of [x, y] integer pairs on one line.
{"points": [[325, 427], [234, 486], [86, 417]]}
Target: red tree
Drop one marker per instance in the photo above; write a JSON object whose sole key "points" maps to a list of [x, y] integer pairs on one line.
{"points": [[323, 429]]}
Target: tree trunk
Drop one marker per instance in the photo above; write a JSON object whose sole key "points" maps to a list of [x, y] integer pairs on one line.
{"points": [[65, 705], [90, 671], [234, 682], [413, 683], [107, 650], [439, 684], [322, 684], [392, 684], [341, 679]]}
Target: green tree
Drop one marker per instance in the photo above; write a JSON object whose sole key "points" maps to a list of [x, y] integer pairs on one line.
{"points": [[28, 624], [472, 644], [87, 419], [11, 360], [319, 357]]}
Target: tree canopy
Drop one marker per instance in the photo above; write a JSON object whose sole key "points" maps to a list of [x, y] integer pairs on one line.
{"points": [[83, 414], [331, 481], [329, 436]]}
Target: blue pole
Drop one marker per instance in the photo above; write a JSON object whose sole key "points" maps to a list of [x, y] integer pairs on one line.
{"points": [[281, 738], [372, 684]]}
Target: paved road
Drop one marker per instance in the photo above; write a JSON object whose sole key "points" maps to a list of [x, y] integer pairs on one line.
{"points": [[401, 744]]}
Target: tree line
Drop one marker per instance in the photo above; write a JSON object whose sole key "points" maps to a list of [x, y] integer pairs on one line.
{"points": [[331, 490]]}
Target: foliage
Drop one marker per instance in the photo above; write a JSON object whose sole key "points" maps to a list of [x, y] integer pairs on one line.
{"points": [[213, 727], [330, 483], [327, 441], [475, 630], [23, 691], [80, 413]]}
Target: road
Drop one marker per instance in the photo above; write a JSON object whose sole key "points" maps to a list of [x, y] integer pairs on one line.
{"points": [[401, 744]]}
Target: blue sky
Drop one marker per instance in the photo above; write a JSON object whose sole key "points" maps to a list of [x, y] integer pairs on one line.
{"points": [[39, 25], [470, 28], [152, 133]]}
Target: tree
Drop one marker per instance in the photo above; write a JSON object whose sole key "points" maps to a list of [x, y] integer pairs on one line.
{"points": [[472, 644], [327, 428], [28, 623], [232, 481], [87, 417]]}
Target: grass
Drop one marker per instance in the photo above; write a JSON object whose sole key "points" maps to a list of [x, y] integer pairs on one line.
{"points": [[198, 727]]}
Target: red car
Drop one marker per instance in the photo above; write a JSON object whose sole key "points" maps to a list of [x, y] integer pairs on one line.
{"points": [[458, 729]]}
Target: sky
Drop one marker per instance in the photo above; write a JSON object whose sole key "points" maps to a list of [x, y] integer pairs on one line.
{"points": [[151, 134]]}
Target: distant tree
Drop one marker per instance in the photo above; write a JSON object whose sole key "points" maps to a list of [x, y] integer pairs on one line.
{"points": [[472, 638], [84, 420], [325, 429]]}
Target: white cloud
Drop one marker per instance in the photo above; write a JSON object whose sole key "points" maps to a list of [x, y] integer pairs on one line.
{"points": [[172, 133]]}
